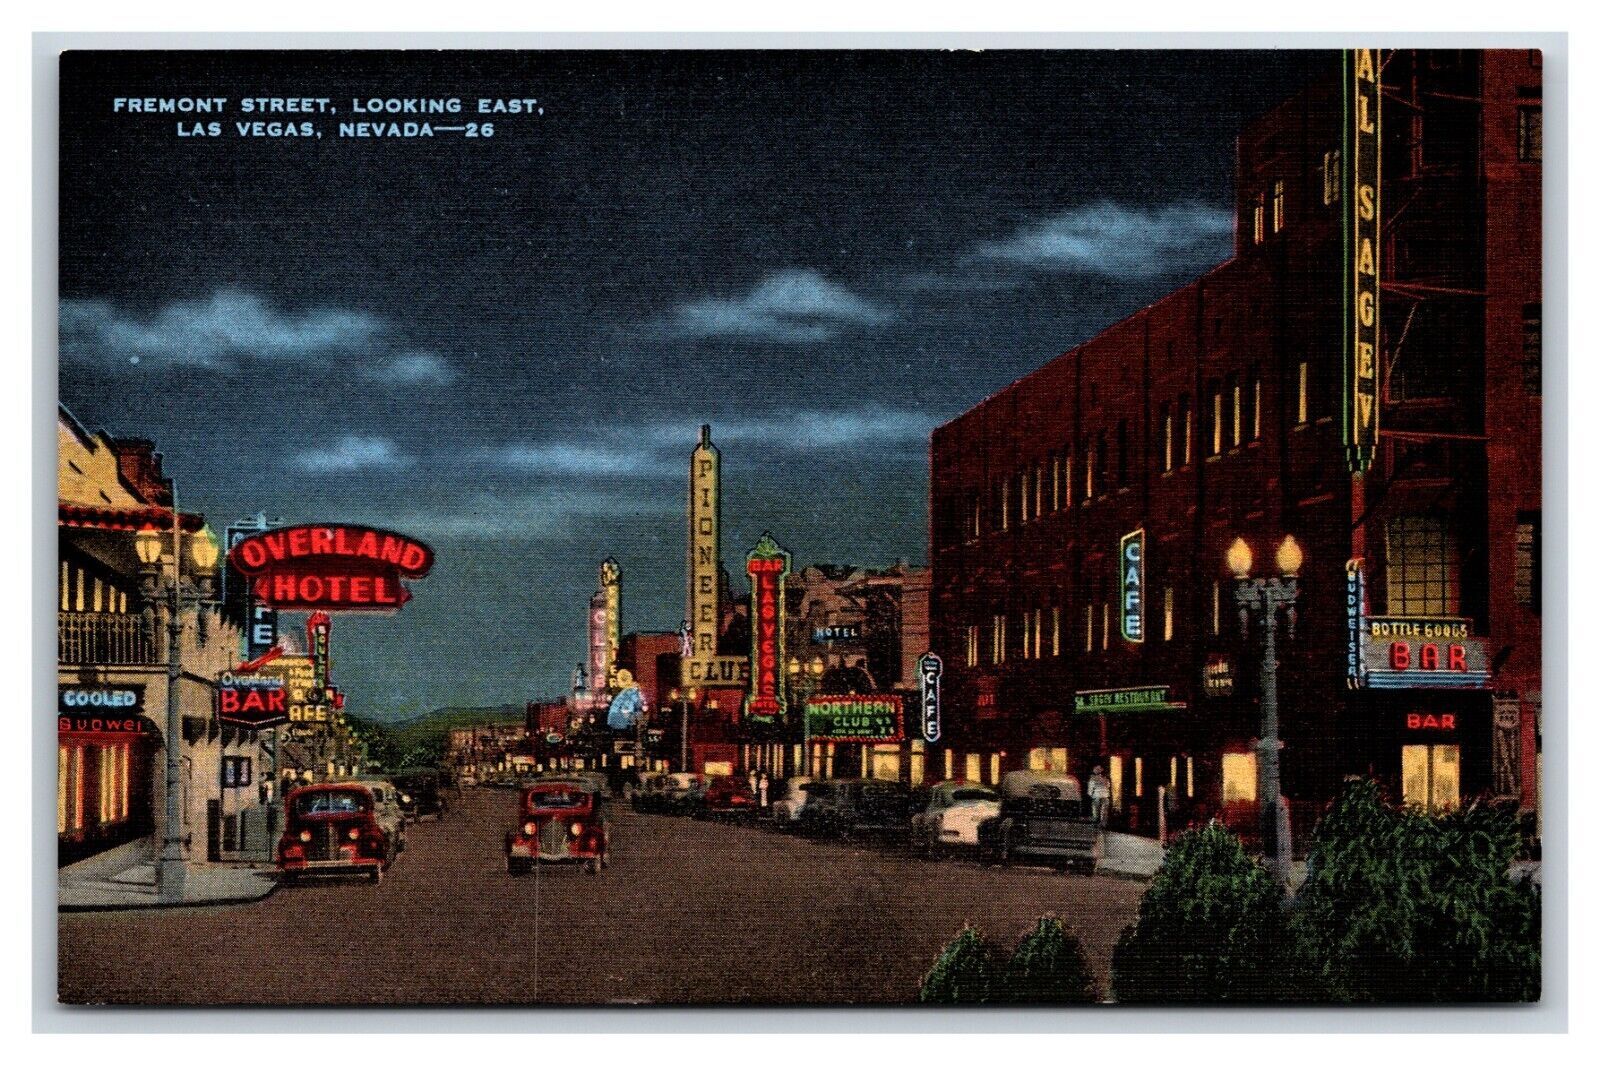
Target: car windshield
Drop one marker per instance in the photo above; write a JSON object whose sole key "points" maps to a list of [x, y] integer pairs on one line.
{"points": [[556, 800], [331, 802], [973, 795]]}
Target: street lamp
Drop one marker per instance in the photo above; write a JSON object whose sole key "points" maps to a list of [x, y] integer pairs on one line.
{"points": [[175, 595], [683, 699], [1262, 597], [805, 679]]}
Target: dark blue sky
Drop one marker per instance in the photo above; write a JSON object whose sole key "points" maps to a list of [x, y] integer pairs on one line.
{"points": [[505, 346]]}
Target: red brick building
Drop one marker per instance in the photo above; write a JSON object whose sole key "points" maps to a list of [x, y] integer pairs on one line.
{"points": [[1220, 412]]}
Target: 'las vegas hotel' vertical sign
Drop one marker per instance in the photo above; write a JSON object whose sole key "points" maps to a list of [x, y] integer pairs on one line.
{"points": [[1363, 165]]}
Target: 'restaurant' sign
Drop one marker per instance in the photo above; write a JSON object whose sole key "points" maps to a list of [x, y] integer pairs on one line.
{"points": [[1362, 211], [1123, 700], [330, 567], [855, 718], [767, 564]]}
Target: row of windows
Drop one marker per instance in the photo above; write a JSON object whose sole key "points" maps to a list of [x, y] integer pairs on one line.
{"points": [[108, 781], [1233, 418], [82, 592]]}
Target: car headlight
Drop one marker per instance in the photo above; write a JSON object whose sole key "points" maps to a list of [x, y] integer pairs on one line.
{"points": [[305, 837], [355, 833], [577, 828], [405, 798], [529, 829]]}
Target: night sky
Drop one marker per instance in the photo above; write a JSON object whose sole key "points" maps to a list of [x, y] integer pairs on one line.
{"points": [[505, 345]]}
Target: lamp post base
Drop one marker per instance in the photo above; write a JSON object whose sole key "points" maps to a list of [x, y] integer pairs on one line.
{"points": [[171, 877]]}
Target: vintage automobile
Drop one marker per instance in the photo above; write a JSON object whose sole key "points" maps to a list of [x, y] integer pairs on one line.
{"points": [[560, 820], [1043, 816], [786, 809], [420, 794], [850, 809], [333, 829], [386, 803], [726, 799], [951, 818]]}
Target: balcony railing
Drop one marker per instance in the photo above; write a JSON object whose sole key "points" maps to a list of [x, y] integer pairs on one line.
{"points": [[104, 640]]}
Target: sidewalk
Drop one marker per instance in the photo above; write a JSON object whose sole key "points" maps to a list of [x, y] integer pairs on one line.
{"points": [[124, 878]]}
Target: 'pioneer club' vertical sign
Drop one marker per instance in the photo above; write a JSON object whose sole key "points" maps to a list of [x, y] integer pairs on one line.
{"points": [[1362, 218], [767, 565]]}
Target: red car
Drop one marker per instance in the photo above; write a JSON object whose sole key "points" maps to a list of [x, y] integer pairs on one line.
{"points": [[560, 821], [333, 829], [727, 799]]}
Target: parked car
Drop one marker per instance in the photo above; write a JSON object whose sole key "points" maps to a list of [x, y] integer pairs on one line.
{"points": [[333, 829], [847, 809], [420, 794], [726, 799], [786, 808], [386, 803], [1042, 816], [560, 820], [678, 794], [951, 817]]}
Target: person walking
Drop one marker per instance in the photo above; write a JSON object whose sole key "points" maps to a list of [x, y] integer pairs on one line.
{"points": [[1100, 794], [762, 784]]}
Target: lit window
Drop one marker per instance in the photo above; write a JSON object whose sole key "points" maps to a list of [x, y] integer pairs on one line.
{"points": [[1331, 177], [66, 586], [1303, 406], [1238, 776], [1277, 207], [1038, 491], [1526, 574], [1166, 430], [1115, 768], [1105, 626], [1258, 219], [1027, 634], [1055, 483], [974, 771], [997, 650], [1005, 504], [1216, 607], [1423, 568], [1088, 479], [1430, 777], [1022, 499], [79, 598], [1166, 613], [1216, 421], [1188, 430], [77, 785], [977, 516], [1088, 628], [99, 595], [1066, 484], [1038, 632], [1055, 632], [1188, 770], [63, 769], [1238, 414], [1530, 136], [972, 645], [1255, 409], [1138, 778]]}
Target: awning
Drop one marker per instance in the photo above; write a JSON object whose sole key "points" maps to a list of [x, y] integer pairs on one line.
{"points": [[130, 519]]}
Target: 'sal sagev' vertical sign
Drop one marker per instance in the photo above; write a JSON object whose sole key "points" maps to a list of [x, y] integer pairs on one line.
{"points": [[1362, 242]]}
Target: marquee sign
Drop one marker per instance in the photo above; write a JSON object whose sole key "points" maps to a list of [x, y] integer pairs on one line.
{"points": [[767, 564], [720, 671], [1124, 700], [309, 707], [330, 567], [1362, 221], [855, 718], [930, 671], [252, 700], [1132, 555]]}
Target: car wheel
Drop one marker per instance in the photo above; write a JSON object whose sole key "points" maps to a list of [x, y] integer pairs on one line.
{"points": [[592, 866], [1003, 850]]}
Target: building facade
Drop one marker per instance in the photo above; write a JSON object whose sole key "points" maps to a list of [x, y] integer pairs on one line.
{"points": [[1234, 408]]}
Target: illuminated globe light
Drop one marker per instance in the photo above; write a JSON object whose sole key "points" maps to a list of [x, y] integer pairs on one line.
{"points": [[1289, 557], [147, 544], [204, 548], [1240, 558]]}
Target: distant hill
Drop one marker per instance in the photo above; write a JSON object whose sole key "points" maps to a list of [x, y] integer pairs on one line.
{"points": [[422, 727]]}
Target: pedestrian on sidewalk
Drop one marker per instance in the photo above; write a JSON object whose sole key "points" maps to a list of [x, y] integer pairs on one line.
{"points": [[762, 783], [1100, 794]]}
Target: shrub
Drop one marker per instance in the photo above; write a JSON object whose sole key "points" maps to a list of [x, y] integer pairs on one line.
{"points": [[1402, 907], [966, 971], [1211, 928], [1049, 966]]}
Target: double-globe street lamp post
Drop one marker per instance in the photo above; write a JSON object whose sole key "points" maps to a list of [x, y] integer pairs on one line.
{"points": [[1263, 597], [684, 699], [176, 595], [805, 679]]}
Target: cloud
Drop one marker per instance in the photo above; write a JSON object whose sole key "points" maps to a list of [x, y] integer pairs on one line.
{"points": [[818, 430], [1115, 241], [549, 512], [583, 460], [217, 332], [350, 454], [793, 306], [412, 368]]}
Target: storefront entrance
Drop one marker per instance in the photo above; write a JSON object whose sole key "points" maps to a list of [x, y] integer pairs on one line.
{"points": [[1430, 776]]}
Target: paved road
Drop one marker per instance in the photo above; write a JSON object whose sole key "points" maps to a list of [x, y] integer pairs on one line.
{"points": [[689, 912]]}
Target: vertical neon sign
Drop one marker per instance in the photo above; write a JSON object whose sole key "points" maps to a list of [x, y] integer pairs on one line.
{"points": [[1132, 554], [1362, 243], [767, 564], [611, 589]]}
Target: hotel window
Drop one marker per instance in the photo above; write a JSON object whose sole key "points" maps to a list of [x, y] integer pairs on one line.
{"points": [[1532, 348], [1055, 632], [972, 645], [1027, 634], [1166, 433], [1188, 428], [1530, 138], [1166, 613], [1022, 498], [1216, 420], [1424, 568], [1088, 477], [1038, 632], [1038, 490], [1055, 482], [1105, 626], [997, 649], [1066, 481], [1258, 216], [1302, 408], [1255, 405], [1526, 575], [1005, 504], [1430, 777], [1238, 776], [1216, 608], [1088, 628], [122, 782], [1277, 207], [1188, 776], [1238, 410], [1331, 178], [977, 515]]}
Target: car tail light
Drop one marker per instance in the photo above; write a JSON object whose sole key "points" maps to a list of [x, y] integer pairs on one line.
{"points": [[529, 829], [305, 836], [577, 828], [355, 833]]}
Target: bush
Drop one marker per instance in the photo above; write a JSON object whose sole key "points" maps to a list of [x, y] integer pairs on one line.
{"points": [[966, 971], [1211, 928], [1402, 907], [1049, 966]]}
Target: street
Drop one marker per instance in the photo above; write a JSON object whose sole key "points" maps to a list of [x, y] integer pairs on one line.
{"points": [[688, 913]]}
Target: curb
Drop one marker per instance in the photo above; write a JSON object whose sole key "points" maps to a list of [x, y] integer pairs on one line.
{"points": [[236, 900]]}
